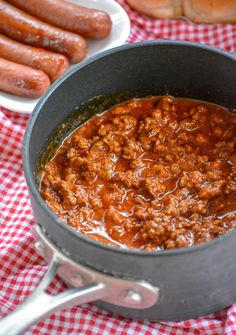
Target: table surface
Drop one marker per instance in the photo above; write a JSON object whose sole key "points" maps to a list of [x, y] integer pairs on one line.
{"points": [[21, 268]]}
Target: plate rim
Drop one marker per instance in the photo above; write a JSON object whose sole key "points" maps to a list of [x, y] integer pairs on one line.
{"points": [[27, 107]]}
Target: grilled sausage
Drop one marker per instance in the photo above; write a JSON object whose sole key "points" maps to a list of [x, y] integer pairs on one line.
{"points": [[51, 63], [90, 23], [27, 29], [22, 80]]}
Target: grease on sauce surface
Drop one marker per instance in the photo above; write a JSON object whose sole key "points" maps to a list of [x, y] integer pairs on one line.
{"points": [[153, 173]]}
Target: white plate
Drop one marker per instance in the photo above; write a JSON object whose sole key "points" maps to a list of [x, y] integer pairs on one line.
{"points": [[119, 34]]}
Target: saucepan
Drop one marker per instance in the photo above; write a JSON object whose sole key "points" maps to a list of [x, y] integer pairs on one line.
{"points": [[155, 285]]}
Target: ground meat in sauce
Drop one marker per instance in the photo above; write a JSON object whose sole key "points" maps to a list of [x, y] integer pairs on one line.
{"points": [[154, 173]]}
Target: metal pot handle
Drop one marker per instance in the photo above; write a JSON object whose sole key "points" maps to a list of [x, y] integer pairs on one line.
{"points": [[40, 304], [90, 285]]}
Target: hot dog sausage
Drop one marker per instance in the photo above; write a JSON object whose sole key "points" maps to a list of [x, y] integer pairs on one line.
{"points": [[51, 63], [88, 22], [22, 80], [27, 29]]}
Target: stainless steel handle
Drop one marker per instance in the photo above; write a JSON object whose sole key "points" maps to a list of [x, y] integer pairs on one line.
{"points": [[89, 286], [40, 304]]}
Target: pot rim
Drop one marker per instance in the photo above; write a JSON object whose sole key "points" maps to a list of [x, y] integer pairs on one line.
{"points": [[32, 186]]}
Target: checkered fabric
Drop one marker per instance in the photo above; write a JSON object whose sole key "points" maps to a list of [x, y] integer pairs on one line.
{"points": [[21, 268]]}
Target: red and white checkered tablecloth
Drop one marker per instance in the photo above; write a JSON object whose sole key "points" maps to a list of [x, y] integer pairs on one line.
{"points": [[21, 267]]}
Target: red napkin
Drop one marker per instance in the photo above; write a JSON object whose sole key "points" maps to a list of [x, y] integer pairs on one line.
{"points": [[21, 268]]}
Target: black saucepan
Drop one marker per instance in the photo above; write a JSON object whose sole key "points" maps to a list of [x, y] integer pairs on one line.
{"points": [[192, 281]]}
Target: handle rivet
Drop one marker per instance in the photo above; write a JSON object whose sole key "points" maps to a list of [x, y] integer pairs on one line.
{"points": [[39, 245], [132, 297], [77, 280]]}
